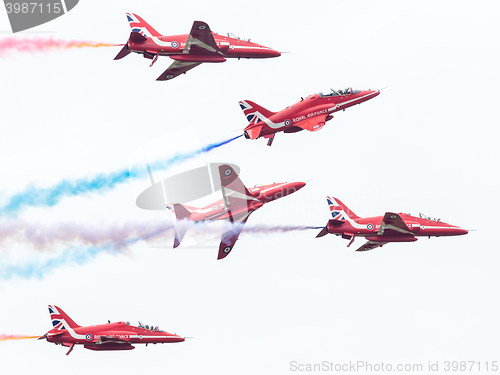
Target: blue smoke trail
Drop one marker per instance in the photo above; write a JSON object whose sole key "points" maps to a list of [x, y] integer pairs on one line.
{"points": [[47, 197], [35, 197], [178, 158], [36, 269]]}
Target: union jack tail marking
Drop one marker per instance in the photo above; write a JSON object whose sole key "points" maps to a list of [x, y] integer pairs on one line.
{"points": [[335, 210], [138, 25], [339, 210], [60, 320], [254, 112]]}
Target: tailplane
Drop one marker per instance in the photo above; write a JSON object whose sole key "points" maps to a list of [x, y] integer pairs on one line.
{"points": [[339, 210], [60, 320], [136, 38], [182, 214], [123, 52]]}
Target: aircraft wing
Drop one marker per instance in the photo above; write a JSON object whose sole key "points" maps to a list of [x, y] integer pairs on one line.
{"points": [[200, 40], [393, 225], [239, 202], [313, 124], [231, 233], [370, 245], [237, 199], [176, 69]]}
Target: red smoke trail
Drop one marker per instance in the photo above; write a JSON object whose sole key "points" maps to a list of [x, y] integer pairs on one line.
{"points": [[4, 337], [12, 45]]}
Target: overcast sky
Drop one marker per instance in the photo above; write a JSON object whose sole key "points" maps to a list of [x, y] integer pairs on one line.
{"points": [[428, 143]]}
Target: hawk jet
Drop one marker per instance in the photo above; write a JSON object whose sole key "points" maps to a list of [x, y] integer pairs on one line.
{"points": [[309, 114], [380, 230], [109, 336], [188, 50]]}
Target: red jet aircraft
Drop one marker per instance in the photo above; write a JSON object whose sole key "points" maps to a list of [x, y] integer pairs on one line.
{"points": [[110, 336], [310, 113], [188, 51], [235, 207], [380, 230]]}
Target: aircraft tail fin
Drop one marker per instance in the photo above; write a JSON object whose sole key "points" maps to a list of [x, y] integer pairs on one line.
{"points": [[339, 210], [254, 112], [181, 214], [60, 320], [138, 25]]}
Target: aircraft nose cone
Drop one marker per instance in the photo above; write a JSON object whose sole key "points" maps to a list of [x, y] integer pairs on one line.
{"points": [[292, 187], [461, 231], [371, 93], [274, 53], [299, 185], [177, 338], [269, 52]]}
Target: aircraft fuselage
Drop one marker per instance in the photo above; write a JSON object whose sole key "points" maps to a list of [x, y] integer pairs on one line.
{"points": [[369, 226], [100, 335], [260, 195], [309, 114]]}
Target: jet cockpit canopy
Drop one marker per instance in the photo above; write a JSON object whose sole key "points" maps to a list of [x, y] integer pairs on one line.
{"points": [[146, 326], [347, 91], [231, 35], [423, 216]]}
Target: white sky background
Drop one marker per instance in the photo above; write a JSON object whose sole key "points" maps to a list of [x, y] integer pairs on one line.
{"points": [[428, 143]]}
